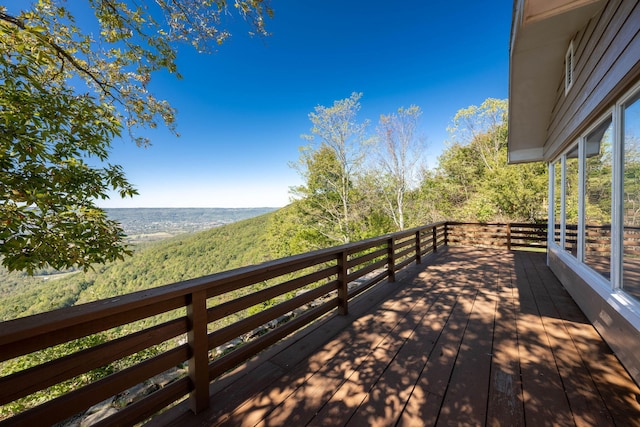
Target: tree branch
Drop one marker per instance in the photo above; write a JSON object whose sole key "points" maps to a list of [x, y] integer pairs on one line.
{"points": [[61, 53]]}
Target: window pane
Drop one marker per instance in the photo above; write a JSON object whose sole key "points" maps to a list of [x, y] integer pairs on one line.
{"points": [[631, 238], [557, 197], [598, 182], [571, 202]]}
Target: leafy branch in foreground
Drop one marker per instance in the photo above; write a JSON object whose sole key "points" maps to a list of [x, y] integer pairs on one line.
{"points": [[66, 93]]}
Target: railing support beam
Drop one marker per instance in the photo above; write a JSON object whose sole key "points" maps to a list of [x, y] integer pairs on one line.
{"points": [[446, 233], [199, 361], [391, 259], [434, 236], [343, 284], [418, 248]]}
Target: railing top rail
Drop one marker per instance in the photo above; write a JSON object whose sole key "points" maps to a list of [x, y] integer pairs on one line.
{"points": [[482, 224], [39, 324]]}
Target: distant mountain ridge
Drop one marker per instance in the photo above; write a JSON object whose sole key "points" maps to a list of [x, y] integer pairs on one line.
{"points": [[145, 224]]}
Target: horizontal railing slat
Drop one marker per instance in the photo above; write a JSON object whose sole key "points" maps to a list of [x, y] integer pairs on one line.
{"points": [[67, 405], [365, 258], [229, 361], [241, 327], [403, 253], [403, 264], [262, 274], [39, 335], [225, 309], [150, 405], [404, 244], [368, 284], [366, 270], [39, 377]]}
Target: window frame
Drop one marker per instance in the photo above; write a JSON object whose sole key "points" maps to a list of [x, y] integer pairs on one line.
{"points": [[620, 107], [606, 116], [614, 283]]}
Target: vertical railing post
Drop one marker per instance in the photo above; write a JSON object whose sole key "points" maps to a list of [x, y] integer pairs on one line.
{"points": [[509, 236], [446, 233], [198, 342], [343, 282], [391, 259], [434, 236], [418, 248]]}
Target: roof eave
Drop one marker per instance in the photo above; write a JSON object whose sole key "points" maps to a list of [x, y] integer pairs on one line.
{"points": [[540, 35]]}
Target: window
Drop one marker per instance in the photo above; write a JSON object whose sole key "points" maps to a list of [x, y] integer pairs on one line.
{"points": [[631, 197], [568, 68], [571, 201], [598, 197], [557, 201]]}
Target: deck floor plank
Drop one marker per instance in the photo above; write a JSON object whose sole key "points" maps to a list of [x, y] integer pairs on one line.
{"points": [[545, 400], [613, 393], [470, 337], [395, 385], [505, 404], [349, 347], [353, 367], [467, 393], [426, 398], [587, 406]]}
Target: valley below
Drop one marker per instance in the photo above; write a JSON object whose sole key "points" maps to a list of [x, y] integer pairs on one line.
{"points": [[152, 224]]}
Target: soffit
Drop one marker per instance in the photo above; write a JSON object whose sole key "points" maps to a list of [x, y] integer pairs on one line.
{"points": [[540, 35]]}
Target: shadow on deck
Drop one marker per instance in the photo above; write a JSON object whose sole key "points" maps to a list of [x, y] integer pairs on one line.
{"points": [[469, 337]]}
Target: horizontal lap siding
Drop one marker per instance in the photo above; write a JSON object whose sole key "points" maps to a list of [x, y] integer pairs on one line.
{"points": [[606, 56]]}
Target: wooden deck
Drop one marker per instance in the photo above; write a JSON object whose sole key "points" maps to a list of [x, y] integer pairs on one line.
{"points": [[469, 337]]}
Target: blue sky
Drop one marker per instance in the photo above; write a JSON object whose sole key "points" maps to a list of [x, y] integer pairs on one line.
{"points": [[241, 110]]}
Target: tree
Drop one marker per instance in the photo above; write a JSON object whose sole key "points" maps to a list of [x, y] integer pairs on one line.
{"points": [[474, 180], [399, 150], [330, 165], [461, 173], [484, 127], [66, 93]]}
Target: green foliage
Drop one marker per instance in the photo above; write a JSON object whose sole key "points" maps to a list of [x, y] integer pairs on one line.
{"points": [[330, 166], [474, 182], [47, 190], [344, 200], [28, 295], [66, 93], [399, 153], [154, 264], [287, 232], [184, 257]]}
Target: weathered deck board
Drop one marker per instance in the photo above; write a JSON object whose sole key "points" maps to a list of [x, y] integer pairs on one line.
{"points": [[505, 403], [470, 337]]}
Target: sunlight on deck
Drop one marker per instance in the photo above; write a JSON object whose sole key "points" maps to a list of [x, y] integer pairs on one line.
{"points": [[470, 337]]}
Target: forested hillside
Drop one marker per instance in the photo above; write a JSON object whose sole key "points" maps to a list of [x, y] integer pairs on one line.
{"points": [[153, 264]]}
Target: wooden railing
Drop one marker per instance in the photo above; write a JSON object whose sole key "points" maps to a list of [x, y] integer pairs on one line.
{"points": [[299, 289], [508, 236]]}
